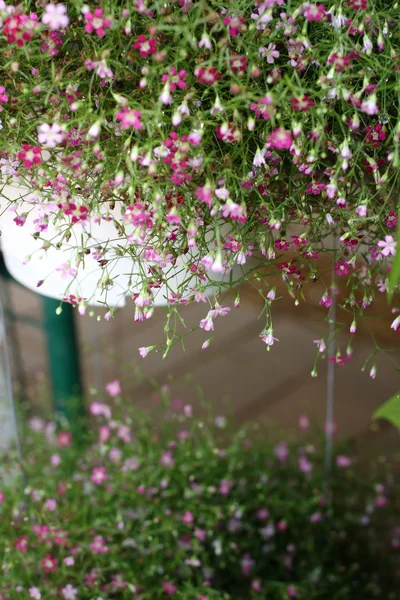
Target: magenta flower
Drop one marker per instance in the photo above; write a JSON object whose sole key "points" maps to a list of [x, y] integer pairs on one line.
{"points": [[169, 588], [49, 563], [280, 139], [129, 118], [95, 21], [3, 96], [30, 155], [342, 268], [145, 46], [313, 12], [207, 75], [22, 543], [234, 24]]}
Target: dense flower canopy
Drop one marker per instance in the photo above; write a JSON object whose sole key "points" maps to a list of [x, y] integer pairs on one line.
{"points": [[226, 139]]}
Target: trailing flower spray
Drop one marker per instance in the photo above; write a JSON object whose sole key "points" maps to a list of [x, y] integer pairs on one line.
{"points": [[230, 135]]}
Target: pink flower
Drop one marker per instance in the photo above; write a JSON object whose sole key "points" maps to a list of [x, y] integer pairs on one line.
{"points": [[388, 246], [98, 408], [69, 561], [325, 301], [2, 497], [204, 194], [280, 139], [51, 504], [270, 53], [98, 546], [66, 270], [247, 564], [99, 475], [114, 388], [96, 22], [169, 588], [129, 118], [304, 465], [50, 135], [22, 543], [64, 439], [69, 592], [313, 12], [343, 462], [291, 591], [207, 75], [267, 337], [30, 155], [281, 451], [55, 460], [35, 593], [304, 422], [49, 563], [261, 107], [320, 345], [234, 24], [55, 16], [370, 106], [187, 518], [167, 459]]}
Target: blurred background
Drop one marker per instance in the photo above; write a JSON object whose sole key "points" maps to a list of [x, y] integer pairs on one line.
{"points": [[235, 373]]}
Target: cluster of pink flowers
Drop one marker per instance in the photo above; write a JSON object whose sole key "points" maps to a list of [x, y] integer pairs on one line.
{"points": [[207, 142], [100, 517]]}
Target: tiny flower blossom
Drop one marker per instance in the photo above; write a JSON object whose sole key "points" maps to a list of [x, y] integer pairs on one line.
{"points": [[69, 592], [280, 139], [3, 96], [269, 53], [114, 388], [95, 21], [129, 118], [343, 462], [169, 588], [99, 475], [145, 46], [388, 246], [30, 155], [55, 16], [34, 593]]}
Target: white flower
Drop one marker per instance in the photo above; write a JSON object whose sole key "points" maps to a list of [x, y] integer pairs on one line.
{"points": [[50, 135], [55, 16]]}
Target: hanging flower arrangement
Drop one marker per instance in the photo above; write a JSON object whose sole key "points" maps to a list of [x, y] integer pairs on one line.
{"points": [[216, 138]]}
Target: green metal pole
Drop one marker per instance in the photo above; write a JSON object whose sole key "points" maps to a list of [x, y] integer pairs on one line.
{"points": [[63, 356]]}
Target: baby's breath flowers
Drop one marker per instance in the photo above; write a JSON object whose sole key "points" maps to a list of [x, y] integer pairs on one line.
{"points": [[179, 505], [208, 134]]}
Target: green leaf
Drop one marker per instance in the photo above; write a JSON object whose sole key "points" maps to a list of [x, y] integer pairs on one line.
{"points": [[390, 410], [394, 276]]}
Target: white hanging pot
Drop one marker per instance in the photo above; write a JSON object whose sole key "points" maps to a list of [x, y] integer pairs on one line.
{"points": [[55, 272]]}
